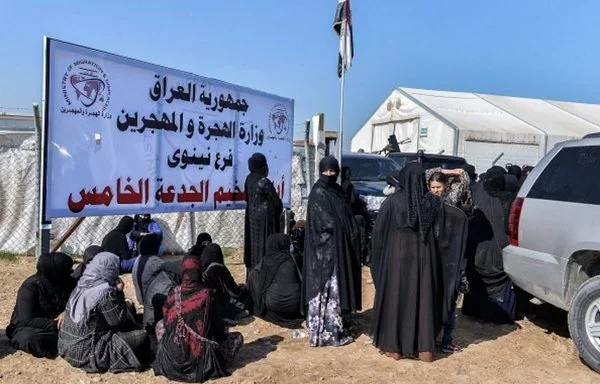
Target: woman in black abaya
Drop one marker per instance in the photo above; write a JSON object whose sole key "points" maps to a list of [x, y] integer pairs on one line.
{"points": [[41, 301], [275, 285], [491, 296], [331, 285], [263, 210], [417, 248]]}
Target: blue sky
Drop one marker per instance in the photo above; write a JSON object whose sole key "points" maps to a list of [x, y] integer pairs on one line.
{"points": [[529, 48]]}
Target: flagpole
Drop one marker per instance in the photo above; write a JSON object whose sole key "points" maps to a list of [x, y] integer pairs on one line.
{"points": [[341, 128]]}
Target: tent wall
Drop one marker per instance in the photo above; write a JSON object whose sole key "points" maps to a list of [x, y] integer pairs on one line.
{"points": [[400, 115], [482, 154]]}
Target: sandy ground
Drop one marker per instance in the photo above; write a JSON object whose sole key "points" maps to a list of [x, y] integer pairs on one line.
{"points": [[533, 351]]}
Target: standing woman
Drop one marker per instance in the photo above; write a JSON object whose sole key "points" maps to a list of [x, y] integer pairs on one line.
{"points": [[331, 285], [263, 210], [411, 299]]}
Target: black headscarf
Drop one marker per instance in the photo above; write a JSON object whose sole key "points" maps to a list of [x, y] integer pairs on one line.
{"points": [[277, 252], [257, 163], [88, 255], [149, 245], [55, 267], [202, 240], [493, 181], [212, 254], [329, 162], [515, 170], [470, 171], [422, 206], [125, 225]]}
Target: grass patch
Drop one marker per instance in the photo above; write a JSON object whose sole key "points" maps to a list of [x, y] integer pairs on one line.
{"points": [[228, 252], [8, 256]]}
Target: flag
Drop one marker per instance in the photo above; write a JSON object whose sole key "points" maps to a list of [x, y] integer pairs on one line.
{"points": [[342, 25]]}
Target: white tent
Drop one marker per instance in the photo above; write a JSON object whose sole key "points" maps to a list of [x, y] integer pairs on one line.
{"points": [[476, 126]]}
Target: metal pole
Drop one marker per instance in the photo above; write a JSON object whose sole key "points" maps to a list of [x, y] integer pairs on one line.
{"points": [[341, 129], [307, 156], [43, 236], [67, 234], [193, 227]]}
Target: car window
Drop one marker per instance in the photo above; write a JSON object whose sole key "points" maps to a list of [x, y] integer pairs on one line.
{"points": [[372, 169], [573, 176]]}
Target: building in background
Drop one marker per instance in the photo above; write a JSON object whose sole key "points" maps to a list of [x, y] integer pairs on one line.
{"points": [[477, 127]]}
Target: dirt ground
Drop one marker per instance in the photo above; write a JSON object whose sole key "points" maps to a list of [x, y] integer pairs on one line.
{"points": [[534, 351]]}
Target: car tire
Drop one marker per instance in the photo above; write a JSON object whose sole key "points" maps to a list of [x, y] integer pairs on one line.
{"points": [[583, 306]]}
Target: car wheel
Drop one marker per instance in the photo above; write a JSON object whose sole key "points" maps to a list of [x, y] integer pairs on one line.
{"points": [[584, 322]]}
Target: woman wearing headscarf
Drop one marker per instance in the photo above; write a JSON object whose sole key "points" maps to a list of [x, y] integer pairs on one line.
{"points": [[116, 243], [453, 187], [417, 247], [152, 280], [275, 284], [230, 297], [263, 209], [194, 345], [41, 301], [331, 285], [89, 253], [494, 183], [99, 333], [491, 296]]}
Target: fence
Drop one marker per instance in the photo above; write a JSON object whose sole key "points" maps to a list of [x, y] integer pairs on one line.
{"points": [[19, 183]]}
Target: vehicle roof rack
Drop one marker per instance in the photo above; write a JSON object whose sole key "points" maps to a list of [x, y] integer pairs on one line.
{"points": [[592, 135]]}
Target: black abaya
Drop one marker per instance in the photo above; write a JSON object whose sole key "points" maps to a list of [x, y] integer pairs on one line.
{"points": [[263, 210], [275, 285], [40, 300], [115, 241], [418, 246], [489, 284], [332, 240]]}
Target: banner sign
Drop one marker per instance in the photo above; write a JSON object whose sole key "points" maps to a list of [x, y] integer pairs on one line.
{"points": [[123, 136]]}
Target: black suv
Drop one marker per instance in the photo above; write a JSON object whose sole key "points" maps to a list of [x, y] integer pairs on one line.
{"points": [[367, 174]]}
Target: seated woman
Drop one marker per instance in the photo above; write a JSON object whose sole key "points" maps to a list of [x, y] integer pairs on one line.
{"points": [[41, 301], [99, 333], [89, 253], [151, 280], [116, 243], [193, 344], [232, 299], [275, 284]]}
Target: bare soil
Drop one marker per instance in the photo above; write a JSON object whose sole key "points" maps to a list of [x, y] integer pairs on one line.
{"points": [[538, 350]]}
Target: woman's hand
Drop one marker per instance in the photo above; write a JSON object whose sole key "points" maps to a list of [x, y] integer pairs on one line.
{"points": [[60, 320]]}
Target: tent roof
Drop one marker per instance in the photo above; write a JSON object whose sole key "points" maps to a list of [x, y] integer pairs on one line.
{"points": [[509, 115]]}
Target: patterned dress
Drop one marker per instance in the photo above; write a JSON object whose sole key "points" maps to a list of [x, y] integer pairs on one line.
{"points": [[325, 321], [95, 343]]}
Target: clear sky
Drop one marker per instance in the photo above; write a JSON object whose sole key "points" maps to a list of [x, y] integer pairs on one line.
{"points": [[530, 48]]}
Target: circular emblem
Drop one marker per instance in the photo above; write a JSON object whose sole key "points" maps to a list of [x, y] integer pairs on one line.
{"points": [[85, 84], [279, 123]]}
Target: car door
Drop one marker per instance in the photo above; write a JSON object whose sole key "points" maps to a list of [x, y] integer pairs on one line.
{"points": [[560, 216]]}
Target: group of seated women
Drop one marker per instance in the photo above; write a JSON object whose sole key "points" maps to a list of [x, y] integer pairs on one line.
{"points": [[83, 316]]}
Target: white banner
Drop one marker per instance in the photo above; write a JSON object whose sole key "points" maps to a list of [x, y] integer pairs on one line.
{"points": [[123, 136]]}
